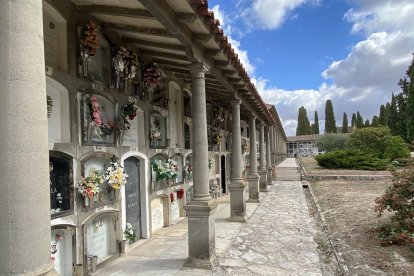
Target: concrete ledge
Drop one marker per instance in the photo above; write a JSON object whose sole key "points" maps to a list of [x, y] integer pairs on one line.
{"points": [[310, 177]]}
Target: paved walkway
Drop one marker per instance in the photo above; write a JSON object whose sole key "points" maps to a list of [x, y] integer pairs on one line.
{"points": [[276, 240]]}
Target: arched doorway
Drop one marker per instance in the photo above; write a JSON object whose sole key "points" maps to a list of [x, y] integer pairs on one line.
{"points": [[223, 174], [133, 195]]}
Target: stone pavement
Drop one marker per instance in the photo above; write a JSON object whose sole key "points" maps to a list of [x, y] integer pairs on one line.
{"points": [[277, 239]]}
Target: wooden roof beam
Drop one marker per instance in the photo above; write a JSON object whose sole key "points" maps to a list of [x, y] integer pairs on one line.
{"points": [[135, 29], [158, 45], [116, 11]]}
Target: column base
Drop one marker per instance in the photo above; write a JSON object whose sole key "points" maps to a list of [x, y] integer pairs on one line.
{"points": [[253, 180], [263, 180], [201, 233], [237, 203], [269, 175]]}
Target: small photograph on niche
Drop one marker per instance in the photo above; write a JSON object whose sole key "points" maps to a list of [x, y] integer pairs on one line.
{"points": [[98, 120]]}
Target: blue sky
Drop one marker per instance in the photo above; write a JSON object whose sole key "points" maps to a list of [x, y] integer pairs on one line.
{"points": [[303, 52]]}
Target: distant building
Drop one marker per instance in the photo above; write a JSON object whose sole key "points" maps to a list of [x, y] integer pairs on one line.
{"points": [[303, 145]]}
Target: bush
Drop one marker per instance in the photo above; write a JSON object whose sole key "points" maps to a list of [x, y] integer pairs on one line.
{"points": [[396, 148], [351, 159], [398, 199], [373, 140], [330, 142]]}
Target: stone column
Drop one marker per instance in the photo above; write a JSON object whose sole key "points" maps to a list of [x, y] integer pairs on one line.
{"points": [[262, 169], [253, 176], [201, 227], [236, 187], [268, 162], [24, 168]]}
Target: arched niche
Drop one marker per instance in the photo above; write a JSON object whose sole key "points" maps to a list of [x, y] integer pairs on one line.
{"points": [[160, 184], [61, 184], [100, 232], [178, 158], [99, 67], [188, 167], [63, 248], [55, 38], [175, 110], [58, 112], [98, 161], [98, 118], [143, 197], [157, 130]]}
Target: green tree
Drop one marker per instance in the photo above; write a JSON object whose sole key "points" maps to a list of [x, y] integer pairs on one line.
{"points": [[373, 140], [315, 125], [330, 123], [329, 142], [402, 115], [359, 120], [345, 123], [382, 116], [375, 121], [393, 116], [303, 127], [366, 123], [354, 119], [410, 103]]}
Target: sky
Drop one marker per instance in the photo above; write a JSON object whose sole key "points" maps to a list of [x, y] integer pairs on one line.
{"points": [[304, 52]]}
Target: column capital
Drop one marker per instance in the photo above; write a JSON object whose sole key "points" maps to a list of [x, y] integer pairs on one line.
{"points": [[236, 102], [198, 67], [253, 117]]}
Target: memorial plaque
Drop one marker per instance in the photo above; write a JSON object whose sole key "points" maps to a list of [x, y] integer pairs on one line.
{"points": [[175, 211], [132, 195], [157, 214], [187, 142], [101, 238]]}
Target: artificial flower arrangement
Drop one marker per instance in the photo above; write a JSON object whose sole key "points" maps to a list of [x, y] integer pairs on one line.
{"points": [[95, 112], [130, 232], [216, 139], [152, 75], [89, 41], [155, 135], [172, 197], [129, 112], [165, 170], [89, 186], [116, 175], [244, 146], [128, 60], [210, 163]]}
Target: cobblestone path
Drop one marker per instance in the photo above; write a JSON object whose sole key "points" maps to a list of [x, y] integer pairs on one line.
{"points": [[278, 238]]}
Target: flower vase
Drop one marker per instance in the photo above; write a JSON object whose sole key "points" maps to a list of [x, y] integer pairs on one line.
{"points": [[126, 86], [85, 68], [86, 201]]}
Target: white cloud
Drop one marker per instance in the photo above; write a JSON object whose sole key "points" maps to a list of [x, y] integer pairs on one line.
{"points": [[364, 79]]}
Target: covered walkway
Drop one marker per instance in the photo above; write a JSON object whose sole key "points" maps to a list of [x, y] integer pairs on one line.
{"points": [[277, 239]]}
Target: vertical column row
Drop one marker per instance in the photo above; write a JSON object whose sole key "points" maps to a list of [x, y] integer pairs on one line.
{"points": [[253, 176]]}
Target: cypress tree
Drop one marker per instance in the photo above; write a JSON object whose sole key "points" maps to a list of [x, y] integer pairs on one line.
{"points": [[315, 125], [410, 103], [330, 123], [375, 121], [345, 123], [387, 113], [366, 123], [382, 116], [359, 120], [353, 121], [402, 115], [303, 127], [393, 116]]}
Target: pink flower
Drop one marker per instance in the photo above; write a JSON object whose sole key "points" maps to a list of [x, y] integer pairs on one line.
{"points": [[93, 98], [96, 114], [95, 105], [98, 121]]}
